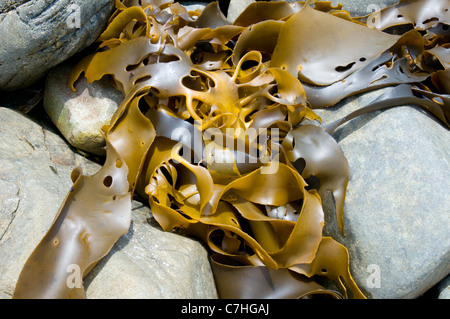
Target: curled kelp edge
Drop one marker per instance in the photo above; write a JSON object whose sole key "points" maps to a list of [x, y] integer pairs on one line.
{"points": [[238, 225], [83, 231]]}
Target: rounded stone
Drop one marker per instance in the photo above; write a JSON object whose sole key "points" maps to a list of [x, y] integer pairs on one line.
{"points": [[80, 115]]}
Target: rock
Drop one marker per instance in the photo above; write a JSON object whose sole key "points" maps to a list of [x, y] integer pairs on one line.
{"points": [[236, 7], [444, 288], [36, 164], [37, 35], [193, 5], [151, 263], [80, 115], [396, 216]]}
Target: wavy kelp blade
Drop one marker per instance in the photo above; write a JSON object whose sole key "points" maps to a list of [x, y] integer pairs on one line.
{"points": [[317, 155], [221, 35], [381, 72], [441, 79], [422, 14], [261, 11], [132, 134], [442, 53], [87, 226], [332, 261], [164, 154], [247, 282], [211, 17], [404, 94], [117, 25], [293, 282], [315, 46], [85, 229], [189, 78], [261, 37]]}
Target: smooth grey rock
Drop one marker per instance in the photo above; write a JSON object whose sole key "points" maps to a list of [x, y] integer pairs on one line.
{"points": [[35, 169], [397, 220], [37, 35], [80, 115]]}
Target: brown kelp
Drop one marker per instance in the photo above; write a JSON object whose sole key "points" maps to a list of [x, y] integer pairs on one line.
{"points": [[215, 132]]}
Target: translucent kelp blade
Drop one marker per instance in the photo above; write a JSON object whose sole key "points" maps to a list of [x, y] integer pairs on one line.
{"points": [[374, 75], [85, 229], [332, 261], [317, 155], [132, 134], [261, 11], [116, 61], [442, 53], [261, 37], [441, 79], [422, 14], [187, 80], [404, 94], [118, 24], [211, 17], [300, 239], [247, 282], [87, 226], [315, 46], [188, 36]]}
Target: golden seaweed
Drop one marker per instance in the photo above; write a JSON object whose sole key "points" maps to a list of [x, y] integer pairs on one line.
{"points": [[214, 132]]}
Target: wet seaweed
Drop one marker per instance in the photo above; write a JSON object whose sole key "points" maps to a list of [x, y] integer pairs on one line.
{"points": [[214, 132]]}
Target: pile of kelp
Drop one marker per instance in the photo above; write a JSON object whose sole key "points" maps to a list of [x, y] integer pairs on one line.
{"points": [[215, 131]]}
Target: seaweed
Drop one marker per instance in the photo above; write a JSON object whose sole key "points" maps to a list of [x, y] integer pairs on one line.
{"points": [[215, 133]]}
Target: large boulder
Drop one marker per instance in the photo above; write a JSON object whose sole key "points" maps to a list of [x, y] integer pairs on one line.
{"points": [[37, 35], [396, 213], [35, 169]]}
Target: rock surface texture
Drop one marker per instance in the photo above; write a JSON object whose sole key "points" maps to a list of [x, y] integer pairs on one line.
{"points": [[37, 35], [35, 173], [80, 115], [396, 212], [396, 217]]}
